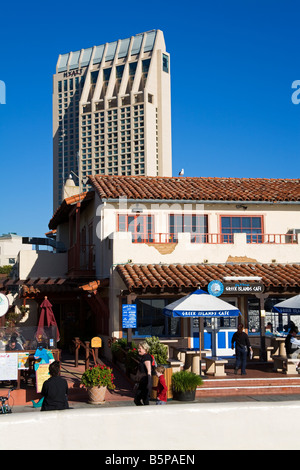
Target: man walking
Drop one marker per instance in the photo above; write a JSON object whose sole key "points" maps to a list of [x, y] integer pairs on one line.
{"points": [[242, 346]]}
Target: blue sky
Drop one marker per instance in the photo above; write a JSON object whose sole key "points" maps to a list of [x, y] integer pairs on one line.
{"points": [[233, 63]]}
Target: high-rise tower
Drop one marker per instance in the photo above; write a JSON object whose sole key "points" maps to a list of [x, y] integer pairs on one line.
{"points": [[112, 111]]}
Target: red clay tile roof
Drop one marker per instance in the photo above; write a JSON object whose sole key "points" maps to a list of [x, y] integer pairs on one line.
{"points": [[196, 189], [161, 277], [62, 211]]}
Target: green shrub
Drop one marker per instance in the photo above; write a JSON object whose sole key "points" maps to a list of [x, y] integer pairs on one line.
{"points": [[157, 349], [132, 360], [121, 343], [185, 381], [128, 356]]}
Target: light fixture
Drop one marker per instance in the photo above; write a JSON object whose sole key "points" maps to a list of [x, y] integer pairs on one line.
{"points": [[137, 209]]}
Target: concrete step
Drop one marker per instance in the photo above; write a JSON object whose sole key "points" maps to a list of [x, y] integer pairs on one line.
{"points": [[245, 386]]}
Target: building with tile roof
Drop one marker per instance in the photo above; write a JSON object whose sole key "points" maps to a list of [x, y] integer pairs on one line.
{"points": [[157, 238], [150, 240]]}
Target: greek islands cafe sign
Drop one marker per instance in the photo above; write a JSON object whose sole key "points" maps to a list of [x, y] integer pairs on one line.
{"points": [[218, 288]]}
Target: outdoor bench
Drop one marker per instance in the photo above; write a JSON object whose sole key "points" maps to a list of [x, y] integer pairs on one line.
{"points": [[269, 350], [215, 366], [175, 364], [256, 352], [284, 364]]}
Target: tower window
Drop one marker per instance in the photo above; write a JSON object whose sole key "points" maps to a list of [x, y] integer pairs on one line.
{"points": [[165, 63]]}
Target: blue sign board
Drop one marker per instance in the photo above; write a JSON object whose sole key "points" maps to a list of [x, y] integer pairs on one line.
{"points": [[129, 316]]}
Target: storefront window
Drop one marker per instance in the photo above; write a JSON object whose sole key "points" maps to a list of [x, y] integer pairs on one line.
{"points": [[28, 337], [152, 322], [253, 316], [280, 322]]}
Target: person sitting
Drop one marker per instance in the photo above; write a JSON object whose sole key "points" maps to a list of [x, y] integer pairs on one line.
{"points": [[13, 345], [292, 344], [55, 390], [269, 328]]}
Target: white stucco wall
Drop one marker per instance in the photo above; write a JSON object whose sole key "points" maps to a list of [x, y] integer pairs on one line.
{"points": [[10, 247], [116, 247], [196, 426], [35, 264]]}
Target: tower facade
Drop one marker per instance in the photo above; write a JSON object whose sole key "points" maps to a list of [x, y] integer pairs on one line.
{"points": [[112, 111]]}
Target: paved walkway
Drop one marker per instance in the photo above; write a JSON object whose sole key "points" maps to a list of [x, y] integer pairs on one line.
{"points": [[123, 395]]}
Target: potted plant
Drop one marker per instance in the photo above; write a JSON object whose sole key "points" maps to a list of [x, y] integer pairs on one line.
{"points": [[160, 353], [96, 380], [184, 384]]}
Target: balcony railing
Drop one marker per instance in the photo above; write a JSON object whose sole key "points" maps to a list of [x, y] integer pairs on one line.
{"points": [[216, 238], [154, 238], [81, 258]]}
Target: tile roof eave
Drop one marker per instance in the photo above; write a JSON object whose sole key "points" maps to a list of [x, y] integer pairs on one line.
{"points": [[178, 277], [197, 189], [63, 210], [203, 201]]}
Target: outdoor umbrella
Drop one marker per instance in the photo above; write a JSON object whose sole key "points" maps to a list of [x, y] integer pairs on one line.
{"points": [[47, 318], [291, 306], [200, 304]]}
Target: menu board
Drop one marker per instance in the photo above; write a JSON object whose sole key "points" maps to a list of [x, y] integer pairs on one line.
{"points": [[42, 374], [23, 360], [8, 366]]}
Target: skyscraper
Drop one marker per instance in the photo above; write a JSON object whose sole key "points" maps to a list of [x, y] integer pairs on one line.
{"points": [[112, 111]]}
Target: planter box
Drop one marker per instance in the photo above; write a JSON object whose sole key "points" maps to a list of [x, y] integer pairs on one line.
{"points": [[184, 396]]}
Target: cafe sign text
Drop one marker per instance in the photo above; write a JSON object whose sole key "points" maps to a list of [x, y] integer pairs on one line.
{"points": [[243, 288]]}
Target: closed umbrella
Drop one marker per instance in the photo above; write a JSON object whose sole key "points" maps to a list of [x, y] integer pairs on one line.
{"points": [[47, 318], [201, 304]]}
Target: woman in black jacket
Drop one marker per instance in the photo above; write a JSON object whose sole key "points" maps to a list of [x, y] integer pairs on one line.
{"points": [[144, 381]]}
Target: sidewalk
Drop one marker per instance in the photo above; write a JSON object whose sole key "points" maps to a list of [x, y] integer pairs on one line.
{"points": [[123, 395], [78, 394]]}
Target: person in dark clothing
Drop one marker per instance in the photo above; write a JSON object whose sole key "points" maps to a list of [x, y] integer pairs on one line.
{"points": [[13, 345], [55, 390], [144, 380], [292, 344], [242, 346]]}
